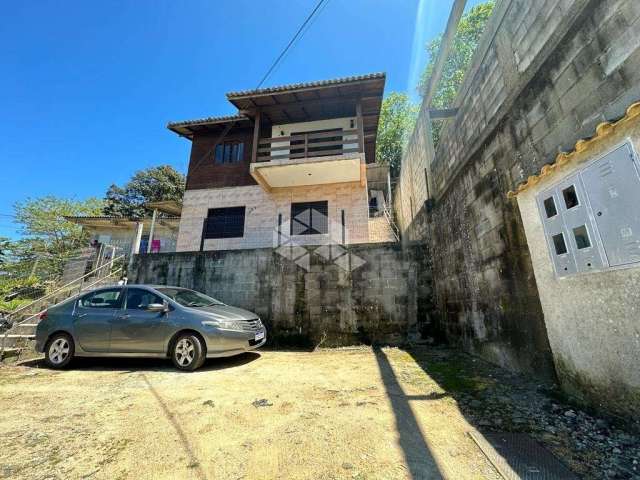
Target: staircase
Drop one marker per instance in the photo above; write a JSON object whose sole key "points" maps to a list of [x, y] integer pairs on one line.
{"points": [[24, 320], [382, 228]]}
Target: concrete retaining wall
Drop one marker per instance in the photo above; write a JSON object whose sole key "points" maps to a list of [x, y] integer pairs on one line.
{"points": [[382, 300], [545, 74]]}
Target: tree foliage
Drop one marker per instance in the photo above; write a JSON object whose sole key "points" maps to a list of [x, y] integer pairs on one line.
{"points": [[397, 119], [150, 185], [465, 41], [5, 245], [48, 238], [398, 114]]}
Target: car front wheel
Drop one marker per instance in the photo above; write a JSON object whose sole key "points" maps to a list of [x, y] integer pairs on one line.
{"points": [[59, 350], [188, 352]]}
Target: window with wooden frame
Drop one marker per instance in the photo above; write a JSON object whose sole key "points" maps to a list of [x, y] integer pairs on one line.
{"points": [[309, 218], [229, 152], [224, 223]]}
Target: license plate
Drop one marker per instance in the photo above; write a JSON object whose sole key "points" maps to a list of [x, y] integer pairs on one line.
{"points": [[259, 335]]}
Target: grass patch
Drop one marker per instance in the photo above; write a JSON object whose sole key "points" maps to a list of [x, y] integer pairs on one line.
{"points": [[452, 377]]}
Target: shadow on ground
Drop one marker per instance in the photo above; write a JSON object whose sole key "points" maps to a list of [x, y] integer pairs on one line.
{"points": [[415, 448], [131, 365], [493, 399]]}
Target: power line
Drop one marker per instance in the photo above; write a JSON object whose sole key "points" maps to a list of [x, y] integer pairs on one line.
{"points": [[299, 34], [291, 42]]}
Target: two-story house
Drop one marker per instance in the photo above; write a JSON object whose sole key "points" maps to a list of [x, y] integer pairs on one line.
{"points": [[291, 165]]}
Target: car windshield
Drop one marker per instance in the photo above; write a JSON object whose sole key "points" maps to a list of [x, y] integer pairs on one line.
{"points": [[189, 298]]}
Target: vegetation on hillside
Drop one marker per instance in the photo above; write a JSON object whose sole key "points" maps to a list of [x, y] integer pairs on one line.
{"points": [[397, 118], [465, 42], [33, 263], [398, 114]]}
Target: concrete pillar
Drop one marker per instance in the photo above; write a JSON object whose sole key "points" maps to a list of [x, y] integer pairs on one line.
{"points": [[135, 248], [151, 229]]}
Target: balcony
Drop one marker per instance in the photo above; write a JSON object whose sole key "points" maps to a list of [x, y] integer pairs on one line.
{"points": [[312, 158]]}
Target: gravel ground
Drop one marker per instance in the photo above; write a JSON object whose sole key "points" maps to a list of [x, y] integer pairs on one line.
{"points": [[331, 414], [492, 399]]}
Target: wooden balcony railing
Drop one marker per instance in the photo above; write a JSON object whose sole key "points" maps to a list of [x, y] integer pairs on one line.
{"points": [[305, 145]]}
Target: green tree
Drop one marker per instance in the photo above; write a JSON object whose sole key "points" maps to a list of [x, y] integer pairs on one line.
{"points": [[150, 185], [5, 245], [397, 119], [48, 236], [465, 41]]}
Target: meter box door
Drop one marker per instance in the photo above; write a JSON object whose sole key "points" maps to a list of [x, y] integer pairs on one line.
{"points": [[613, 186], [555, 233], [578, 224]]}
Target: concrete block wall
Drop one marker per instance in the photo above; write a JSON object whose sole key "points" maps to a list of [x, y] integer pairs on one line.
{"points": [[263, 208], [545, 74], [377, 302]]}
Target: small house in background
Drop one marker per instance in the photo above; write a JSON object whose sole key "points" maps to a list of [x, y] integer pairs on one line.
{"points": [[296, 164], [111, 237]]}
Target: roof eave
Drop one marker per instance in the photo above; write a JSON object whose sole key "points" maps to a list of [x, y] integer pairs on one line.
{"points": [[184, 128], [298, 87]]}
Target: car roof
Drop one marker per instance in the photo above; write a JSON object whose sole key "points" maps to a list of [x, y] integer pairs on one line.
{"points": [[137, 285], [151, 286]]}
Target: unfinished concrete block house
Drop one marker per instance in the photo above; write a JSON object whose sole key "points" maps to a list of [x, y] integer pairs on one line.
{"points": [[293, 163]]}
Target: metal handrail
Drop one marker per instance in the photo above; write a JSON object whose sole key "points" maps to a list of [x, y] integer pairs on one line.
{"points": [[58, 290], [115, 273], [394, 227]]}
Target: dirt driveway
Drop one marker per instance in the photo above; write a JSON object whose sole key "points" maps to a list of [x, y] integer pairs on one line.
{"points": [[330, 414]]}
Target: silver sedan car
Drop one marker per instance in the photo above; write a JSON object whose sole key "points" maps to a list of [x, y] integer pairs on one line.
{"points": [[146, 321]]}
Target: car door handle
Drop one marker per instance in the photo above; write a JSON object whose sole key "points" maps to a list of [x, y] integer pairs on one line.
{"points": [[80, 315], [123, 317]]}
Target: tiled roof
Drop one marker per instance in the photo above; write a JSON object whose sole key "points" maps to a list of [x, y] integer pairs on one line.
{"points": [[296, 86], [204, 121], [603, 130]]}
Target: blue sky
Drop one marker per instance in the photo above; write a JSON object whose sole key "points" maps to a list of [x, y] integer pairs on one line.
{"points": [[88, 87]]}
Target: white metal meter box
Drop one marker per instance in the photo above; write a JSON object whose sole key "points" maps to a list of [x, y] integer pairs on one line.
{"points": [[592, 219]]}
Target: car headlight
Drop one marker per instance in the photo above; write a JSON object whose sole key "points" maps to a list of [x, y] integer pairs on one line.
{"points": [[224, 324]]}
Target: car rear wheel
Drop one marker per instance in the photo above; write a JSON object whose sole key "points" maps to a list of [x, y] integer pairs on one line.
{"points": [[59, 350], [188, 352]]}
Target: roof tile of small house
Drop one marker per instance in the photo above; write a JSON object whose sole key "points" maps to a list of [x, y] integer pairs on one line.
{"points": [[603, 130]]}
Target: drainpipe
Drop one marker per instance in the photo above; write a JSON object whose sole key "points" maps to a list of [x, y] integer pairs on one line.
{"points": [[152, 229]]}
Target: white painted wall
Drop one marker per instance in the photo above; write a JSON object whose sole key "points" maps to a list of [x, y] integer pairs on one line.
{"points": [[123, 238]]}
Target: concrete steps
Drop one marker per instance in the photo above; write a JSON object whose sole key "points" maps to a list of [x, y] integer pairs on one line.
{"points": [[380, 230]]}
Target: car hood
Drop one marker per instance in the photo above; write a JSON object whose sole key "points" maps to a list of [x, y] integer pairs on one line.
{"points": [[226, 312]]}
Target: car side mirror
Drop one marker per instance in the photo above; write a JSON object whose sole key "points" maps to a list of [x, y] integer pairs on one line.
{"points": [[158, 307]]}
